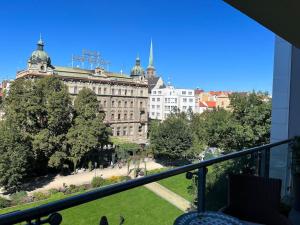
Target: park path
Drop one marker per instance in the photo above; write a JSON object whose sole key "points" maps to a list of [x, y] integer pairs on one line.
{"points": [[173, 198], [87, 176]]}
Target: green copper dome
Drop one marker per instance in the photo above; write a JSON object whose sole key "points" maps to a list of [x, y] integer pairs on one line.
{"points": [[40, 55], [137, 70]]}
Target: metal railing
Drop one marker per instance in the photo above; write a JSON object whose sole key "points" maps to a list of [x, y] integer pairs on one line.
{"points": [[50, 210]]}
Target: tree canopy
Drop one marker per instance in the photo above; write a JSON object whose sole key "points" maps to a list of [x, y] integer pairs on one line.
{"points": [[42, 129], [89, 133], [246, 124]]}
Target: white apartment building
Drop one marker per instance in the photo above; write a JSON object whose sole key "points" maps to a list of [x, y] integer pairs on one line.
{"points": [[163, 101]]}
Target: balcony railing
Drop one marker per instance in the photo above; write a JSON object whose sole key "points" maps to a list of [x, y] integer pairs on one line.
{"points": [[51, 210]]}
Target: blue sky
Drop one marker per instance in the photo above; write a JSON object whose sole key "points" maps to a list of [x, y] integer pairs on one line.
{"points": [[197, 43]]}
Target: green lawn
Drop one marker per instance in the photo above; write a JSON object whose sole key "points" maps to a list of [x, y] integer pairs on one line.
{"points": [[138, 206], [178, 184]]}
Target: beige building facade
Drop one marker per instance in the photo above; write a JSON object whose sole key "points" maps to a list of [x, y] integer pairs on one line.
{"points": [[123, 99]]}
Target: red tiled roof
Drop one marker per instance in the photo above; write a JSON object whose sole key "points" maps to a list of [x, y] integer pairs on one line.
{"points": [[202, 104], [211, 104]]}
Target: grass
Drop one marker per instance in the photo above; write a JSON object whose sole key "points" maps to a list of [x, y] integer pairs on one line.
{"points": [[138, 206], [177, 184]]}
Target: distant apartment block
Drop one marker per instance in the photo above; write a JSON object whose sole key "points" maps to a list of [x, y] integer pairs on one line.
{"points": [[211, 99], [164, 101]]}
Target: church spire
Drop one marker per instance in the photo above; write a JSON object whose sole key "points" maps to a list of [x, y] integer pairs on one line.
{"points": [[151, 68], [151, 55]]}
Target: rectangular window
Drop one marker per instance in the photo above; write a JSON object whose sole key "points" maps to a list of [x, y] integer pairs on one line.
{"points": [[153, 99], [112, 91], [184, 99], [154, 92], [99, 91], [131, 130], [166, 100], [124, 131], [183, 92], [112, 116], [113, 131], [190, 92], [190, 100], [140, 128], [158, 114], [158, 106], [119, 116], [104, 90], [153, 106], [159, 92], [158, 99], [152, 113]]}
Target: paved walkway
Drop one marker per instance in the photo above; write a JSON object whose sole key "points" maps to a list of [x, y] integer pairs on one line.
{"points": [[173, 198], [86, 177]]}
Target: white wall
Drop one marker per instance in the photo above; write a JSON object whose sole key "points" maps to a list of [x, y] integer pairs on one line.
{"points": [[285, 108]]}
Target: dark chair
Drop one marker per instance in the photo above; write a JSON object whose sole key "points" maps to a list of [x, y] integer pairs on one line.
{"points": [[255, 199]]}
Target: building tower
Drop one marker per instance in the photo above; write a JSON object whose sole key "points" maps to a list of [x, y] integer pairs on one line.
{"points": [[150, 69], [137, 72], [39, 59]]}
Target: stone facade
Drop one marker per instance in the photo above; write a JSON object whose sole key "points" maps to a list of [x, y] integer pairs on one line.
{"points": [[123, 99]]}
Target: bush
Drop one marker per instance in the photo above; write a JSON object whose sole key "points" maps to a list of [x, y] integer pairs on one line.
{"points": [[37, 196], [116, 179], [18, 198], [4, 203], [97, 182], [53, 191]]}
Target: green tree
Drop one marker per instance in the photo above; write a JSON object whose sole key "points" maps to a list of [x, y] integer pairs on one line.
{"points": [[37, 107], [172, 138], [253, 112], [15, 157], [89, 133]]}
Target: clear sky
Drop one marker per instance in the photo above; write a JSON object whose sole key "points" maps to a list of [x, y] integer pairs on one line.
{"points": [[197, 43]]}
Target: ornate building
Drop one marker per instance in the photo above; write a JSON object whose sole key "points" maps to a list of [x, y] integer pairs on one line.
{"points": [[123, 99]]}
